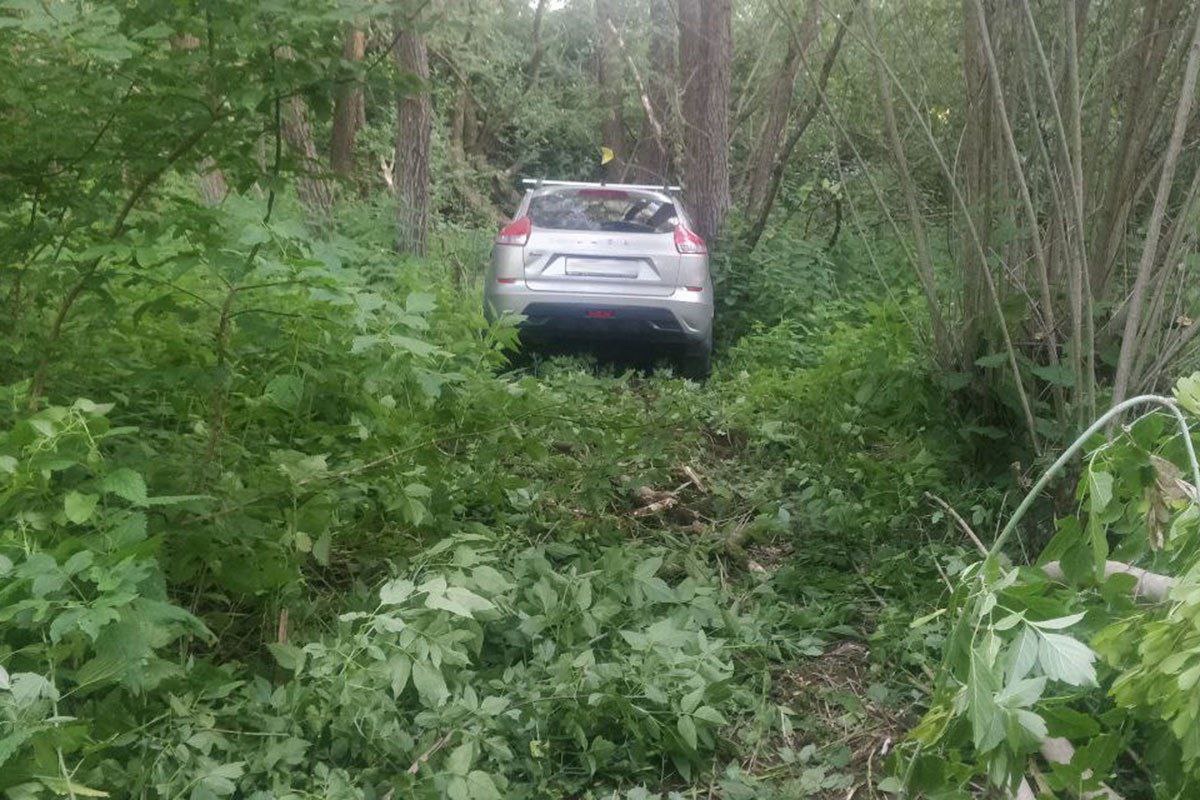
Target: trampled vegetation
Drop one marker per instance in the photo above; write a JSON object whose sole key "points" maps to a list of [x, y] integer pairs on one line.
{"points": [[282, 515]]}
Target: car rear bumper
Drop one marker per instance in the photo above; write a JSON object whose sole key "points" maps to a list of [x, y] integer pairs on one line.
{"points": [[684, 316]]}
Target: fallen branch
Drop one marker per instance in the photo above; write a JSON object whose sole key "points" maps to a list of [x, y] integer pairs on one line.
{"points": [[962, 523], [1150, 585]]}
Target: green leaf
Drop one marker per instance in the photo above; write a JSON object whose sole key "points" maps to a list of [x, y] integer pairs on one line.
{"points": [[284, 392], [430, 685], [687, 730], [79, 507], [1187, 392], [320, 549], [1060, 375], [288, 656], [395, 592], [1023, 654], [987, 720], [490, 580], [1066, 659], [1058, 623], [482, 787], [399, 670], [126, 484], [1100, 486], [420, 303], [459, 601], [1022, 693], [460, 759], [710, 714]]}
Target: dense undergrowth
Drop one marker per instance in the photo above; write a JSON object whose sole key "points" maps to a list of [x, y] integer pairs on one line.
{"points": [[305, 534]]}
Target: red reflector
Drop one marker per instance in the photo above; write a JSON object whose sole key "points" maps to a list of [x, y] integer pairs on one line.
{"points": [[506, 280], [695, 288], [601, 314]]}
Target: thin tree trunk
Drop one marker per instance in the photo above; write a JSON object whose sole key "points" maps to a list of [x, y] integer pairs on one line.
{"points": [[347, 108], [1130, 341], [779, 104], [535, 60], [414, 120], [610, 79], [654, 151], [797, 132], [705, 53], [923, 264], [1031, 217], [311, 185], [1141, 106]]}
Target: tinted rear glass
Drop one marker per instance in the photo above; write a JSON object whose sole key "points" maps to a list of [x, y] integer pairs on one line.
{"points": [[600, 209]]}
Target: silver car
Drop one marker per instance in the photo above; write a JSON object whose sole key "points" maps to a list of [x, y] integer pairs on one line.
{"points": [[605, 261]]}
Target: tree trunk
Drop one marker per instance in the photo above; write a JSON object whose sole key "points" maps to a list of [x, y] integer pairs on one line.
{"points": [[803, 120], [923, 262], [210, 179], [610, 79], [414, 119], [1130, 340], [654, 145], [535, 60], [705, 53], [347, 108], [311, 186], [979, 184], [779, 104]]}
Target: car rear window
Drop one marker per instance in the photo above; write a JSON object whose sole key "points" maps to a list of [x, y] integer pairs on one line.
{"points": [[602, 209]]}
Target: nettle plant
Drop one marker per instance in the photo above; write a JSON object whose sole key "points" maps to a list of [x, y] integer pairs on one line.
{"points": [[1092, 652], [83, 606]]}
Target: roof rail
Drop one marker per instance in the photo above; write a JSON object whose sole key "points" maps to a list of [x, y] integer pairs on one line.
{"points": [[539, 182]]}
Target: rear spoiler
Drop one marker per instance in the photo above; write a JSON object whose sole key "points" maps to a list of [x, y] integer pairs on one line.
{"points": [[537, 183]]}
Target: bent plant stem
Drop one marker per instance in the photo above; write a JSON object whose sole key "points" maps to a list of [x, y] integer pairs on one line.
{"points": [[1077, 445], [38, 385], [990, 563]]}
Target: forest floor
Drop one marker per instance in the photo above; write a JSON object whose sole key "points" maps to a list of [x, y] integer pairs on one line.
{"points": [[835, 580], [399, 565]]}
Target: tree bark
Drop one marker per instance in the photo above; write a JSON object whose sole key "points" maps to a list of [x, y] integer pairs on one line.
{"points": [[779, 104], [535, 60], [347, 107], [414, 120], [798, 128], [1130, 339], [654, 145], [923, 263], [705, 53], [610, 79], [311, 185]]}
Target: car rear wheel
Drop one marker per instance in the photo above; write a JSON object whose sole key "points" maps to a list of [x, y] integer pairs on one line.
{"points": [[696, 360]]}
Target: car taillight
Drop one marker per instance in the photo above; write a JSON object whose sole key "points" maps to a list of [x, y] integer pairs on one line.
{"points": [[516, 232], [688, 242]]}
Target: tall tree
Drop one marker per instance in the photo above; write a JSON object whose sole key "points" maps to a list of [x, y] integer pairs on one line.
{"points": [[705, 54], [779, 102], [414, 120], [312, 184], [654, 144], [610, 78], [347, 106]]}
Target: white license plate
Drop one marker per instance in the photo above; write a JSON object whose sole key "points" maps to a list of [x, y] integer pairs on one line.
{"points": [[602, 267]]}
